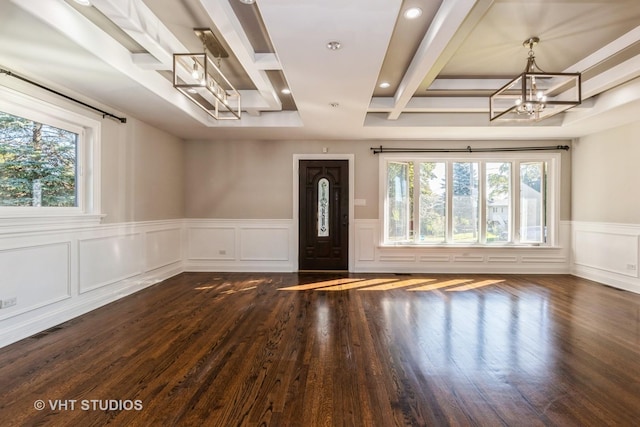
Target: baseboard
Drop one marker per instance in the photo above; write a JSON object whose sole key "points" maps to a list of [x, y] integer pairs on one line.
{"points": [[605, 278]]}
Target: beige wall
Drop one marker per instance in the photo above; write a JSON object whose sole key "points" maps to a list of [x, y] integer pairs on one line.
{"points": [[142, 168], [606, 176], [142, 173], [254, 179]]}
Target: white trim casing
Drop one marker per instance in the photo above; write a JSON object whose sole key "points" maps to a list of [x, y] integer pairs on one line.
{"points": [[553, 189]]}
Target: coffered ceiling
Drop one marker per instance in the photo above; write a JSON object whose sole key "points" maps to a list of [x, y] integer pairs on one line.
{"points": [[440, 68]]}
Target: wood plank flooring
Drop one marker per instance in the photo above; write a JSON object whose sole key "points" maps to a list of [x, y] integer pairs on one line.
{"points": [[241, 349]]}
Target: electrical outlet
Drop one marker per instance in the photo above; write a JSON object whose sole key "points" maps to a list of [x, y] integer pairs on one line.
{"points": [[222, 252], [9, 302], [631, 267]]}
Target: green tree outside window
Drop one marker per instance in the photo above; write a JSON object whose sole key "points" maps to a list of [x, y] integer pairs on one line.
{"points": [[37, 164]]}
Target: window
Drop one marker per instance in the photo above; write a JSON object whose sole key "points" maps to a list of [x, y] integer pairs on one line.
{"points": [[501, 199], [48, 159], [498, 197], [37, 163]]}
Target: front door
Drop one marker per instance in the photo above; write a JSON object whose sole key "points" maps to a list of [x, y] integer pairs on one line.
{"points": [[323, 213]]}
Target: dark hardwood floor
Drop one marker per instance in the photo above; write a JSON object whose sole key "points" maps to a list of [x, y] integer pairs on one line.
{"points": [[227, 349]]}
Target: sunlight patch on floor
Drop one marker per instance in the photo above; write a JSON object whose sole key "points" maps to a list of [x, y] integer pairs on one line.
{"points": [[398, 284], [323, 284], [355, 285], [441, 285], [475, 285], [390, 283]]}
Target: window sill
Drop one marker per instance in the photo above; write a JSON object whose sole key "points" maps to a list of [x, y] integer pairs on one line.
{"points": [[468, 246], [40, 221]]}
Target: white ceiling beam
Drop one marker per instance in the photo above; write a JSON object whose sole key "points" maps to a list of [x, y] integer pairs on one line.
{"points": [[226, 21], [610, 101], [621, 73], [614, 76], [432, 103], [468, 84], [452, 24], [146, 61], [267, 61], [606, 51], [143, 26], [85, 34], [444, 104]]}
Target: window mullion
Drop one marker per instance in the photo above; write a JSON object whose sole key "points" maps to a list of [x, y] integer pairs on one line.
{"points": [[544, 211], [449, 198], [515, 213], [482, 202], [417, 193]]}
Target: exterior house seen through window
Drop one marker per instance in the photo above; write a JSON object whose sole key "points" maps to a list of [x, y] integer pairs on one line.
{"points": [[473, 200]]}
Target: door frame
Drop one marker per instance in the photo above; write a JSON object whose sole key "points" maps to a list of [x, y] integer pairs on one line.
{"points": [[296, 200]]}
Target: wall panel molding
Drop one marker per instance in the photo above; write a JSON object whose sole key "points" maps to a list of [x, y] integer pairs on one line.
{"points": [[58, 274], [240, 245], [26, 268], [608, 253], [374, 258], [163, 247], [108, 259]]}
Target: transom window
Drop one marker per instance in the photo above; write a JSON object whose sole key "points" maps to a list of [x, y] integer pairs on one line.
{"points": [[474, 200]]}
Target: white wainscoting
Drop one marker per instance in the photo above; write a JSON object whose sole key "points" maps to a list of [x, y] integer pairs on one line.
{"points": [[240, 245], [371, 257], [26, 270], [108, 259], [163, 247], [59, 274], [607, 253]]}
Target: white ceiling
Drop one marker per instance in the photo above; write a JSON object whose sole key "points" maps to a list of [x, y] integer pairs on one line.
{"points": [[441, 67]]}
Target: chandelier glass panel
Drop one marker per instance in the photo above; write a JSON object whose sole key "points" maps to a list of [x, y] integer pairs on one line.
{"points": [[200, 79], [535, 95]]}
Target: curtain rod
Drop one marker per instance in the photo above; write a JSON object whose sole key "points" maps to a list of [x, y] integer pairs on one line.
{"points": [[381, 149], [24, 79]]}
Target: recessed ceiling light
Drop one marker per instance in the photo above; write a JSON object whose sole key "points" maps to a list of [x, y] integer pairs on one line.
{"points": [[83, 2], [334, 45], [385, 85], [285, 91], [412, 13], [248, 1]]}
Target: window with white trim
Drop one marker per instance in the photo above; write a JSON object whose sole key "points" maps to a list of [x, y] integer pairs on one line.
{"points": [[474, 199], [48, 159]]}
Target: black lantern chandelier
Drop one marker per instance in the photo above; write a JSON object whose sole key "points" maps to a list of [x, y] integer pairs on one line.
{"points": [[535, 94]]}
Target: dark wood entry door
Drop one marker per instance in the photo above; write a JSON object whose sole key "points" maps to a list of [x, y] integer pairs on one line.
{"points": [[323, 213]]}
